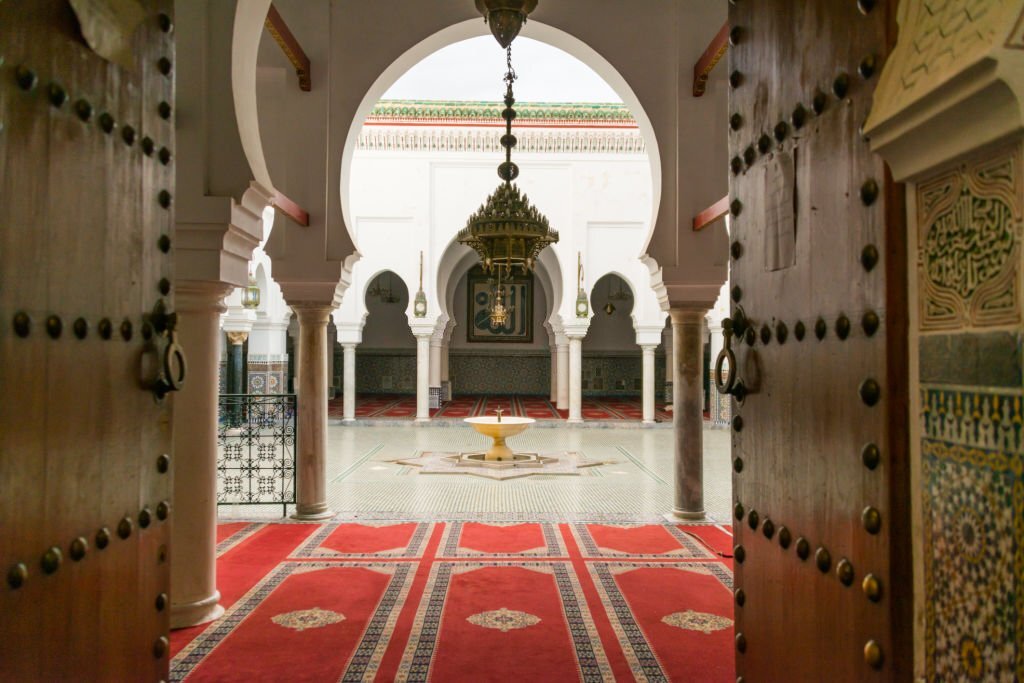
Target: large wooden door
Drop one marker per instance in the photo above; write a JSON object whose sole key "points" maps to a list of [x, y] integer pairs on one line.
{"points": [[86, 184], [823, 590]]}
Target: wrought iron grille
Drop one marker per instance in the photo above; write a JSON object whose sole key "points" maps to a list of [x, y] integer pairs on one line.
{"points": [[256, 449]]}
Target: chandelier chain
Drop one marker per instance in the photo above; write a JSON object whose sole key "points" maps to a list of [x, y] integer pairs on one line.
{"points": [[510, 75]]}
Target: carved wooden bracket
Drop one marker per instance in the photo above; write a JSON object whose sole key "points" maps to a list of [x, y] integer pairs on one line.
{"points": [[290, 209], [708, 60], [291, 48], [711, 214]]}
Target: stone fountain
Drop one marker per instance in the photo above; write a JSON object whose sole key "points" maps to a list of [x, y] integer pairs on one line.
{"points": [[500, 429], [500, 462]]}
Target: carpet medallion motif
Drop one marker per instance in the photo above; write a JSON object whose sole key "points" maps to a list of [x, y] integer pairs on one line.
{"points": [[466, 601], [302, 619], [504, 619], [697, 621]]}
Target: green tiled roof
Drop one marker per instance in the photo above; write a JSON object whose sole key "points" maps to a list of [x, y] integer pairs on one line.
{"points": [[535, 111]]}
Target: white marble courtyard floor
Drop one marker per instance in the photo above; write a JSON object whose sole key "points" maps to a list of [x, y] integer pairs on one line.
{"points": [[364, 482]]}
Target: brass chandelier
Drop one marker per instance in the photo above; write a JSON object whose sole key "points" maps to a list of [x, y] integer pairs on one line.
{"points": [[507, 232]]}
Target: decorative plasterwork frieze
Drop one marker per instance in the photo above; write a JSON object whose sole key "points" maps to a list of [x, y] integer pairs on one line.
{"points": [[970, 223], [953, 82], [453, 126], [445, 139], [455, 112]]}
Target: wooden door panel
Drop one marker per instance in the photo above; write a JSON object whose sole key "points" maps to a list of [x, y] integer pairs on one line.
{"points": [[80, 430], [801, 487]]}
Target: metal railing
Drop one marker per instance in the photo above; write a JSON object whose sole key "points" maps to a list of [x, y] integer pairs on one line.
{"points": [[256, 449]]}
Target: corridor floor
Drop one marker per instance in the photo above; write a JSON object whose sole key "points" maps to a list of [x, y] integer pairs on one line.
{"points": [[403, 407], [366, 482]]}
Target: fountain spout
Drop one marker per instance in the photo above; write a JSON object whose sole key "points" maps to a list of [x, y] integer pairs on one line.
{"points": [[498, 411]]}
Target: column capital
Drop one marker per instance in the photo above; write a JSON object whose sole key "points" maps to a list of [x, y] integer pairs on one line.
{"points": [[312, 312], [649, 348], [349, 346], [237, 338], [199, 296], [689, 313]]}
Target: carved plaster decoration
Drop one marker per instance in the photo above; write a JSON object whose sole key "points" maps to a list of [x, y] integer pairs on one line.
{"points": [[950, 85], [452, 126], [439, 139], [944, 37], [970, 225]]}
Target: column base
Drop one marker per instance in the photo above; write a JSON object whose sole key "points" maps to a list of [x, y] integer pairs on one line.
{"points": [[313, 513], [685, 514], [575, 420], [422, 419], [649, 422], [348, 420], [196, 612]]}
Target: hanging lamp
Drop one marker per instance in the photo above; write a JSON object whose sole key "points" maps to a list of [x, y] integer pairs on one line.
{"points": [[251, 294], [507, 232]]}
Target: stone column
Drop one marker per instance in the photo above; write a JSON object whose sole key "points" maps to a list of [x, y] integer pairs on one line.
{"points": [[423, 377], [436, 345], [237, 376], [554, 371], [444, 361], [575, 379], [688, 413], [349, 382], [312, 384], [562, 400], [194, 594], [239, 381], [648, 382]]}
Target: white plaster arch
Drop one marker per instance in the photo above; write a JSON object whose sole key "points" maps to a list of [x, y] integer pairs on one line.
{"points": [[594, 310], [458, 259], [250, 17], [365, 288], [646, 308], [533, 29]]}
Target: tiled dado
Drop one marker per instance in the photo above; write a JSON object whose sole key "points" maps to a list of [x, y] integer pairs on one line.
{"points": [[972, 463]]}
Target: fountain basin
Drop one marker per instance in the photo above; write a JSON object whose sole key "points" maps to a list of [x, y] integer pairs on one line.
{"points": [[499, 429]]}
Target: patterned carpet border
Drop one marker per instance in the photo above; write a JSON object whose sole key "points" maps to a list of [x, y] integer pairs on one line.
{"points": [[554, 546], [608, 629], [419, 651], [382, 621], [487, 518]]}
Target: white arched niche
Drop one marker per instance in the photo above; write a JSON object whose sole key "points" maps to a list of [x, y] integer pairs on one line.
{"points": [[473, 28]]}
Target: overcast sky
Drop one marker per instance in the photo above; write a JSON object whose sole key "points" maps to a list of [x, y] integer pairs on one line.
{"points": [[473, 70]]}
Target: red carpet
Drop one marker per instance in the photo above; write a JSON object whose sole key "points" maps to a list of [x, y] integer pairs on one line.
{"points": [[466, 601], [396, 406]]}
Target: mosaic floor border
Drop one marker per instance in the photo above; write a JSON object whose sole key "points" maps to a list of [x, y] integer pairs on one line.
{"points": [[488, 517]]}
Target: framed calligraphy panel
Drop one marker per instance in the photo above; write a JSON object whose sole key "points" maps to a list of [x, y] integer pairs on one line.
{"points": [[518, 300]]}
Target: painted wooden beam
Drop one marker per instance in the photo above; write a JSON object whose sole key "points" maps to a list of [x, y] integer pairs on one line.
{"points": [[711, 214], [291, 209], [713, 53], [290, 46]]}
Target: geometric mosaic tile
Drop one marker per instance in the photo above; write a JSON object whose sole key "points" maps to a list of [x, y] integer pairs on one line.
{"points": [[974, 562]]}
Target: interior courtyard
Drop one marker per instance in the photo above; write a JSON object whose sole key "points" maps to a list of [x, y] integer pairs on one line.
{"points": [[502, 340]]}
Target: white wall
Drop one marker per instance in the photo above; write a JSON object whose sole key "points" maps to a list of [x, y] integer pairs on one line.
{"points": [[404, 202]]}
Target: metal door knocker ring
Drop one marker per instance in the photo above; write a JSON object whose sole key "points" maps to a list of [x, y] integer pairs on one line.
{"points": [[726, 386], [174, 355]]}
